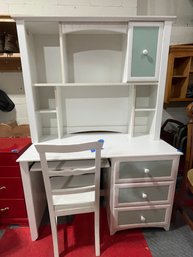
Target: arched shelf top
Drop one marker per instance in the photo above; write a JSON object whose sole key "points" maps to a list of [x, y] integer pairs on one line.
{"points": [[94, 28]]}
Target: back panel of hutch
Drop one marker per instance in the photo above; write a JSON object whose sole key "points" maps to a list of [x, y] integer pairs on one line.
{"points": [[94, 74]]}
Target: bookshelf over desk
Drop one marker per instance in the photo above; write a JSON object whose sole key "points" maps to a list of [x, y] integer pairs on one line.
{"points": [[92, 78]]}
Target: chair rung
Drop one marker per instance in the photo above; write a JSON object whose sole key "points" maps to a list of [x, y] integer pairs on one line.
{"points": [[70, 172], [73, 190]]}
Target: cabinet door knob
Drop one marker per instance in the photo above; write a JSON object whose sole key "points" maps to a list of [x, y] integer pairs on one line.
{"points": [[143, 218], [4, 209], [145, 52], [3, 187], [146, 171], [144, 195]]}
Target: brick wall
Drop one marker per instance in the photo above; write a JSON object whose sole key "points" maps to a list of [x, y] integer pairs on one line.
{"points": [[69, 7]]}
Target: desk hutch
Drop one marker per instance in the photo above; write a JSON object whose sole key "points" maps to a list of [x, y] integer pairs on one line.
{"points": [[91, 78]]}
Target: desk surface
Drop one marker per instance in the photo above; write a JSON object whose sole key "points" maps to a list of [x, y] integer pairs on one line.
{"points": [[115, 145]]}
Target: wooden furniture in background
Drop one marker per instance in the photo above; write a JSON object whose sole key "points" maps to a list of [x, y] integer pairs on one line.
{"points": [[12, 202], [183, 201], [9, 62], [179, 73], [22, 130], [12, 129]]}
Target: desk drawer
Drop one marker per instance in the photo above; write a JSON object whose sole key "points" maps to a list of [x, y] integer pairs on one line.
{"points": [[13, 208], [141, 194], [141, 217], [142, 170], [10, 171], [11, 188]]}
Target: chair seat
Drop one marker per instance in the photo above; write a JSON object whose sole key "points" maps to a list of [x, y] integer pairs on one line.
{"points": [[75, 200]]}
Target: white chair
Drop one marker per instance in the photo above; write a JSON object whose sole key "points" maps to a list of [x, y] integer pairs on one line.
{"points": [[72, 188]]}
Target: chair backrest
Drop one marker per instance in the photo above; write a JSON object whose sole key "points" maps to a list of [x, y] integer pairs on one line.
{"points": [[67, 170]]}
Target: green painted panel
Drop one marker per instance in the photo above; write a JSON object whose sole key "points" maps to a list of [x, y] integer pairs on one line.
{"points": [[144, 38]]}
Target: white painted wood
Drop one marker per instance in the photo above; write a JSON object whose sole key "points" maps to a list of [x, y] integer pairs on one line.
{"points": [[91, 84], [154, 173], [136, 210], [116, 145], [132, 25], [80, 194], [92, 54], [146, 167], [78, 71], [143, 198], [34, 197], [99, 56], [59, 111], [94, 19], [27, 76], [94, 27]]}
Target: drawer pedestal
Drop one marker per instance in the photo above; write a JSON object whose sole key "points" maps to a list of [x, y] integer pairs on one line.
{"points": [[140, 192]]}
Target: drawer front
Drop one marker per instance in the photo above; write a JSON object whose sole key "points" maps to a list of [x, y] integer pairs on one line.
{"points": [[10, 171], [12, 209], [147, 170], [145, 51], [141, 217], [11, 188], [146, 193], [7, 159]]}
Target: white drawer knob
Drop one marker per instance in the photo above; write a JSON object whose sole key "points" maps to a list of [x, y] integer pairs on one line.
{"points": [[143, 218], [144, 196], [146, 171], [145, 52], [3, 187]]}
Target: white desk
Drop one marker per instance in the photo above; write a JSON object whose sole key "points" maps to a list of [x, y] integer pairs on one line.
{"points": [[115, 146]]}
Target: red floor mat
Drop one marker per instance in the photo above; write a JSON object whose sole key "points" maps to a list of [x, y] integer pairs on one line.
{"points": [[75, 240]]}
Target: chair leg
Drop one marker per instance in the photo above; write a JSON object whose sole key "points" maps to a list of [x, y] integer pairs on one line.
{"points": [[53, 223], [97, 233]]}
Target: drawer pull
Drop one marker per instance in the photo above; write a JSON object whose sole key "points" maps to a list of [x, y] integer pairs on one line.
{"points": [[146, 171], [3, 187], [4, 209], [143, 219], [145, 52], [144, 195]]}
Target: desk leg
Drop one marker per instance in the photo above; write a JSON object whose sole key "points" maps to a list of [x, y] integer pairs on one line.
{"points": [[34, 197]]}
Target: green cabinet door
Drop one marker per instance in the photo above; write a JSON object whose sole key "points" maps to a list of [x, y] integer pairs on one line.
{"points": [[144, 51]]}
